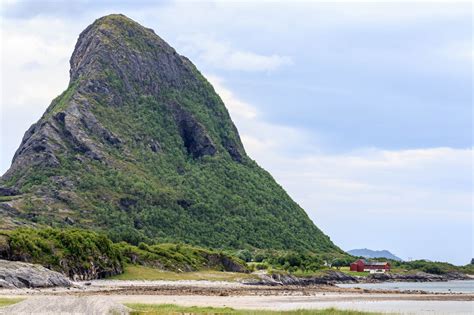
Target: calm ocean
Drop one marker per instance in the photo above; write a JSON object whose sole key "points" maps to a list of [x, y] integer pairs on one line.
{"points": [[458, 286]]}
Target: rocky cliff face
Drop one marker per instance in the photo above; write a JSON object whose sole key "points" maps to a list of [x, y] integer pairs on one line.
{"points": [[115, 62], [141, 146]]}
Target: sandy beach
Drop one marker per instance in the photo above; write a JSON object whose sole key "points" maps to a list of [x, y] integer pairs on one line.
{"points": [[240, 296]]}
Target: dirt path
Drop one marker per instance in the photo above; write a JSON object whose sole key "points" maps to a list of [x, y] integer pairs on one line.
{"points": [[64, 305]]}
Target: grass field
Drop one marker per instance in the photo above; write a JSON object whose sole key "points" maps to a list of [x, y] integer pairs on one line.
{"points": [[136, 272], [7, 301], [158, 309], [321, 272]]}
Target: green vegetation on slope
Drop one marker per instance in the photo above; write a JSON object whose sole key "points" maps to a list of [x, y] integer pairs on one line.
{"points": [[288, 260], [70, 251], [89, 254], [86, 254], [155, 309], [433, 267], [147, 152], [179, 257]]}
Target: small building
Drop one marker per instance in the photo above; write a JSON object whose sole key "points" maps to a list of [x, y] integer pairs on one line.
{"points": [[371, 266]]}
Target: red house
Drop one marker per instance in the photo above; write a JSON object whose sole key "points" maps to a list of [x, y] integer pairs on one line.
{"points": [[367, 265]]}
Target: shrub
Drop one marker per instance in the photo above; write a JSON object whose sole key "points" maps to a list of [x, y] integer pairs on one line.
{"points": [[70, 251]]}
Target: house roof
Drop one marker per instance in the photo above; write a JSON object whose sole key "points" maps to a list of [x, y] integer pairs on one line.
{"points": [[372, 263]]}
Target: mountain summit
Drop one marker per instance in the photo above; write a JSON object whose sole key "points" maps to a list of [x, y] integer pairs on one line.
{"points": [[141, 146]]}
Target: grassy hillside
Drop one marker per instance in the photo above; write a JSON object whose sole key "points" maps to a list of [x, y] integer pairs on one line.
{"points": [[138, 272]]}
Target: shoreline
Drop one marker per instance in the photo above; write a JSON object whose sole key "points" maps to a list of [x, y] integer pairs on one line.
{"points": [[236, 295], [377, 303], [224, 288], [333, 277]]}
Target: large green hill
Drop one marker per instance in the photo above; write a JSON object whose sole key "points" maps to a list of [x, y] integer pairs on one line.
{"points": [[141, 146]]}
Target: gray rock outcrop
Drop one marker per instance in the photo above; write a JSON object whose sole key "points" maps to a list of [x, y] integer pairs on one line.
{"points": [[15, 274], [334, 277], [414, 277], [331, 277]]}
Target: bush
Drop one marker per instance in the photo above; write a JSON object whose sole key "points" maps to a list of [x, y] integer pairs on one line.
{"points": [[245, 255], [70, 251], [179, 257], [433, 269]]}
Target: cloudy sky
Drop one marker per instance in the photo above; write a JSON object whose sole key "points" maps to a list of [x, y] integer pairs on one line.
{"points": [[362, 111]]}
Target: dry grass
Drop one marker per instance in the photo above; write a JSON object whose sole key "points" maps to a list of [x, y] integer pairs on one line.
{"points": [[9, 301], [158, 309]]}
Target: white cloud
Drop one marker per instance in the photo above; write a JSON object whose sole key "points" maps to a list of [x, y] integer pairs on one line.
{"points": [[238, 108], [34, 62], [257, 134], [221, 55], [29, 54], [410, 196], [407, 194], [409, 200]]}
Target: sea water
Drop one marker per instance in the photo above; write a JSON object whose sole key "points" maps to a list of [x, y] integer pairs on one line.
{"points": [[455, 286]]}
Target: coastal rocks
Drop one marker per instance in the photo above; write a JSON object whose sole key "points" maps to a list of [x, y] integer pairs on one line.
{"points": [[335, 277], [457, 276], [331, 277], [14, 274], [414, 277]]}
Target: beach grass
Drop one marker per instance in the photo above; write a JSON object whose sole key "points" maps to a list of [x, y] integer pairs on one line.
{"points": [[136, 272], [9, 301], [158, 309]]}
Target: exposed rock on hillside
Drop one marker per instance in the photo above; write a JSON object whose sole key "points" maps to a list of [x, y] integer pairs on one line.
{"points": [[141, 146]]}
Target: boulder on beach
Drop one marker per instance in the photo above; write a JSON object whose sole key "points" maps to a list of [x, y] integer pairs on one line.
{"points": [[15, 274]]}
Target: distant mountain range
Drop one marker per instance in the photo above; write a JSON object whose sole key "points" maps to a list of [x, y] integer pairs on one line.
{"points": [[368, 253]]}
